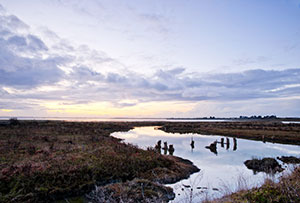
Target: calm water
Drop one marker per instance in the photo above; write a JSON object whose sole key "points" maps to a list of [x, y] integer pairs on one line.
{"points": [[221, 170], [288, 122]]}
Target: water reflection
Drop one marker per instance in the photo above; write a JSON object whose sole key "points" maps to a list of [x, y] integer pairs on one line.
{"points": [[234, 144], [222, 142], [213, 146], [192, 144], [227, 143], [226, 167]]}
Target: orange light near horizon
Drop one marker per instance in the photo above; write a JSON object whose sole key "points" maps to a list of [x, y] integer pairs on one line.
{"points": [[7, 110], [147, 109]]}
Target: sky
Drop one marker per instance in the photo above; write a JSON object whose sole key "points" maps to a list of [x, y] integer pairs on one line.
{"points": [[142, 58]]}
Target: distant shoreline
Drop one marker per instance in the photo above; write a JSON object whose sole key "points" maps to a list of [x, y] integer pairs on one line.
{"points": [[133, 119]]}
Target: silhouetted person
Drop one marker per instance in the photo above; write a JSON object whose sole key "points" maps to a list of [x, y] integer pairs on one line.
{"points": [[213, 147], [158, 146], [171, 149], [234, 144], [227, 143], [159, 143], [222, 142], [165, 148]]}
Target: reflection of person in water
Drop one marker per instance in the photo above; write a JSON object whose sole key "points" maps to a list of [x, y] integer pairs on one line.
{"points": [[222, 142], [213, 147], [234, 144], [192, 144], [227, 143]]}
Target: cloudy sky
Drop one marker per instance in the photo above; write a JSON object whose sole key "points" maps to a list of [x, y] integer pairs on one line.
{"points": [[142, 58]]}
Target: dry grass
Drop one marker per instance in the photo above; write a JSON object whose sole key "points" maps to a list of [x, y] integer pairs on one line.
{"points": [[136, 190], [286, 190], [46, 161], [270, 131]]}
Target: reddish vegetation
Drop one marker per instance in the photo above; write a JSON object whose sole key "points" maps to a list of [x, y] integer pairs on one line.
{"points": [[53, 160]]}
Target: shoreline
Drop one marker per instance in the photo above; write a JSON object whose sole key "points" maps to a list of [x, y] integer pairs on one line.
{"points": [[265, 131]]}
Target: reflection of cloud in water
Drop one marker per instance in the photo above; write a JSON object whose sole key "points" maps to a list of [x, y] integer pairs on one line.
{"points": [[226, 167], [127, 135], [150, 131], [286, 149]]}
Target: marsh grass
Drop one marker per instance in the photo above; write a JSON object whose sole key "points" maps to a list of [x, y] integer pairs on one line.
{"points": [[137, 190], [266, 131], [47, 161], [286, 189], [191, 191]]}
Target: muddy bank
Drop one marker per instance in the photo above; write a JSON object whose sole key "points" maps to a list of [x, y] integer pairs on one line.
{"points": [[52, 160], [289, 159], [268, 165], [266, 131]]}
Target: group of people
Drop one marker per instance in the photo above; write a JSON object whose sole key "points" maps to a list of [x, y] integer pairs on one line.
{"points": [[166, 148], [212, 147]]}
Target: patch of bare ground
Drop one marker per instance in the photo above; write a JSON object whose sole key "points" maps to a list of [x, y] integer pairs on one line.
{"points": [[268, 165]]}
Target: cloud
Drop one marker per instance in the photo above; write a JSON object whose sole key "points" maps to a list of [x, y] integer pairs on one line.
{"points": [[292, 46], [17, 41], [251, 61], [36, 44], [36, 70], [26, 72], [83, 74], [2, 10], [23, 62], [155, 22], [11, 22], [175, 84]]}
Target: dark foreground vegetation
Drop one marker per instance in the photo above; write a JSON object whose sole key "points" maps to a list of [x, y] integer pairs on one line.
{"points": [[266, 131], [45, 161]]}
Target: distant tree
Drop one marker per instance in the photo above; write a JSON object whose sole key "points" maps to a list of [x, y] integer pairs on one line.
{"points": [[14, 121]]}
